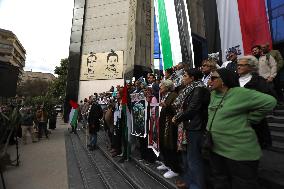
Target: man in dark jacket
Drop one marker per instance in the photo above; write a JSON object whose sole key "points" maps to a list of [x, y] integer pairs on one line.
{"points": [[233, 57], [95, 114]]}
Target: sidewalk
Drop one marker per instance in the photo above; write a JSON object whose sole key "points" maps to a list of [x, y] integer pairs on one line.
{"points": [[42, 164]]}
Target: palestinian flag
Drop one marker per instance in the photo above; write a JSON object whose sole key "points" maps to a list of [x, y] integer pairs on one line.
{"points": [[73, 116], [238, 24], [126, 122], [174, 32]]}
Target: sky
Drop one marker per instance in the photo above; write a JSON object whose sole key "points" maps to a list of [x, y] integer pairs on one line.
{"points": [[43, 27]]}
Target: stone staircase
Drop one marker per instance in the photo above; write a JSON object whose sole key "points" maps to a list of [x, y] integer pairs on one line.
{"points": [[271, 168], [276, 125]]}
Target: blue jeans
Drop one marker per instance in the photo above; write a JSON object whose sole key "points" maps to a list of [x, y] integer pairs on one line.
{"points": [[193, 162], [93, 139]]}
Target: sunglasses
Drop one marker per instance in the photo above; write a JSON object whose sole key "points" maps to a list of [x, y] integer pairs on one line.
{"points": [[212, 78]]}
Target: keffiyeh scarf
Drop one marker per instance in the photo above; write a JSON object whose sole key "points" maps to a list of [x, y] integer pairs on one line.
{"points": [[182, 139]]}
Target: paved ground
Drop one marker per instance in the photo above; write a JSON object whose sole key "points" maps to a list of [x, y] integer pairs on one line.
{"points": [[43, 164]]}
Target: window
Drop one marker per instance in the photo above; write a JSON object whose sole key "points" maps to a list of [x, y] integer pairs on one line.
{"points": [[276, 17]]}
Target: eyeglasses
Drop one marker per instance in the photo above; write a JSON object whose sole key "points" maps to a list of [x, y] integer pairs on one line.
{"points": [[212, 78], [242, 65]]}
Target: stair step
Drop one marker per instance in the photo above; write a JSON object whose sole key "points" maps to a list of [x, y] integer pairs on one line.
{"points": [[277, 136], [278, 112], [277, 146], [271, 170], [275, 119], [279, 107], [276, 127]]}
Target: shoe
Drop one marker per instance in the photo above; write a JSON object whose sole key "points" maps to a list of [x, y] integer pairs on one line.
{"points": [[162, 167], [170, 174], [159, 162], [114, 154], [112, 150], [181, 184]]}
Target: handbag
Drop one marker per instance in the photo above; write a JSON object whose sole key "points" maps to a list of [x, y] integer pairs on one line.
{"points": [[207, 142]]}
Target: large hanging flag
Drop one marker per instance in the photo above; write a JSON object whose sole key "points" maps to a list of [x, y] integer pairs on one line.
{"points": [[242, 24], [174, 32], [127, 122]]}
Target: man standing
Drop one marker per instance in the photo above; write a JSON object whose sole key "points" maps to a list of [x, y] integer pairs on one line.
{"points": [[267, 67], [27, 124], [95, 114], [84, 112], [233, 57], [41, 116], [279, 61]]}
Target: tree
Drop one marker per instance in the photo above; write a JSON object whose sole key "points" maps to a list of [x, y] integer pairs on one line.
{"points": [[58, 87], [33, 88]]}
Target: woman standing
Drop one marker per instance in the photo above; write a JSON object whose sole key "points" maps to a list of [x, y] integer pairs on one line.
{"points": [[232, 110], [207, 67], [194, 114], [168, 131]]}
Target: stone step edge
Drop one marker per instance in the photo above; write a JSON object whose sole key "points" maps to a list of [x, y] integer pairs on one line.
{"points": [[271, 184], [154, 174]]}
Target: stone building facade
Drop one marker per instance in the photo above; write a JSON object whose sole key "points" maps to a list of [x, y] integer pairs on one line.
{"points": [[11, 50], [12, 62], [121, 25]]}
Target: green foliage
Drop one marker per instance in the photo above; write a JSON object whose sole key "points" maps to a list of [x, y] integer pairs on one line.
{"points": [[44, 93], [63, 68], [33, 88], [48, 102], [58, 88]]}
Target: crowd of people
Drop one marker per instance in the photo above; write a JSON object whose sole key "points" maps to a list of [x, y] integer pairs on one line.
{"points": [[23, 119], [212, 124]]}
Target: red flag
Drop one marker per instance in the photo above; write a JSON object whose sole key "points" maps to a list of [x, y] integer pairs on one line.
{"points": [[73, 104], [124, 95], [254, 24]]}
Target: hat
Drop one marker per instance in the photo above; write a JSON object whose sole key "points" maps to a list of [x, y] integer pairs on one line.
{"points": [[229, 78]]}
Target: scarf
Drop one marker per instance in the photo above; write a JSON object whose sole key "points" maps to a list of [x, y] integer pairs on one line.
{"points": [[182, 139], [184, 93]]}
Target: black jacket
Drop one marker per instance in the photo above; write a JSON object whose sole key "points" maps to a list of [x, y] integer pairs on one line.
{"points": [[232, 66], [262, 131], [195, 109], [95, 114], [260, 84]]}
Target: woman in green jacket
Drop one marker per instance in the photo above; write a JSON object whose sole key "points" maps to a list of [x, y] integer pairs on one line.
{"points": [[232, 110]]}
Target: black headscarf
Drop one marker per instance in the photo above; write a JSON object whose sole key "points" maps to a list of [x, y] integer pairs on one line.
{"points": [[229, 78]]}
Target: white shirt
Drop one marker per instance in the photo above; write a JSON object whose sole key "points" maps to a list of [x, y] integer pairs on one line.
{"points": [[205, 79], [245, 79], [224, 65]]}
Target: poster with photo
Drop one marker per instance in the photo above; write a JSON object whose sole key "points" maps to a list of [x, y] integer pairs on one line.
{"points": [[107, 65], [139, 114], [153, 135]]}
